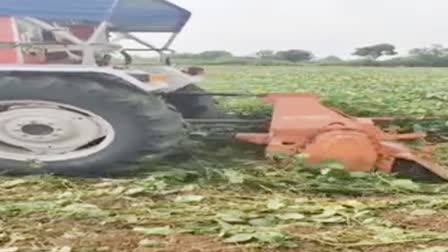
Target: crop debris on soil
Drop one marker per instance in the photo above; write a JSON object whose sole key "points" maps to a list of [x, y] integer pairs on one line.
{"points": [[227, 197]]}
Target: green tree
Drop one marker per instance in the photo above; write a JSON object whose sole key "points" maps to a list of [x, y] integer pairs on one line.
{"points": [[331, 59], [215, 54], [295, 55], [265, 54], [435, 50], [375, 51]]}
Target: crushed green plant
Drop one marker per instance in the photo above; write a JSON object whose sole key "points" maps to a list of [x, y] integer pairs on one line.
{"points": [[227, 197]]}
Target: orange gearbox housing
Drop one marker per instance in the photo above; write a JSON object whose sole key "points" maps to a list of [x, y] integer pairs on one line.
{"points": [[301, 124]]}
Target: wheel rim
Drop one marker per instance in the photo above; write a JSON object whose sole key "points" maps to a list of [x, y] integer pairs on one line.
{"points": [[49, 131]]}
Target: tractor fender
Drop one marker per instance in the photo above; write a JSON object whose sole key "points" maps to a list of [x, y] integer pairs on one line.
{"points": [[175, 78], [105, 74]]}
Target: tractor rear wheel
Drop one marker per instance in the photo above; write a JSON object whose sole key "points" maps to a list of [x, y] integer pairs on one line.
{"points": [[80, 127], [194, 107]]}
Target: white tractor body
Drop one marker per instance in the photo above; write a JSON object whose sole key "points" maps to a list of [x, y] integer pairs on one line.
{"points": [[54, 44]]}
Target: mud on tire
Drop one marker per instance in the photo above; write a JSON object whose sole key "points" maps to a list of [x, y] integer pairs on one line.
{"points": [[194, 107]]}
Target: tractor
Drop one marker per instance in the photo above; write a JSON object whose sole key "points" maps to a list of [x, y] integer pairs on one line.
{"points": [[67, 108]]}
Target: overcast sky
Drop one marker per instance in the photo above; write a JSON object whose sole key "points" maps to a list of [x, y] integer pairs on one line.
{"points": [[326, 27]]}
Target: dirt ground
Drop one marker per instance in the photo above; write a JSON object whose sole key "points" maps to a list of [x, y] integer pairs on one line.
{"points": [[230, 199]]}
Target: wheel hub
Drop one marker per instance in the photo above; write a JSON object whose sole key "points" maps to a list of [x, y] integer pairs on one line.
{"points": [[36, 129], [48, 131]]}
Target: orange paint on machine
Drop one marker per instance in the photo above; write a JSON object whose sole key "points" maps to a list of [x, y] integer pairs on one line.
{"points": [[302, 124]]}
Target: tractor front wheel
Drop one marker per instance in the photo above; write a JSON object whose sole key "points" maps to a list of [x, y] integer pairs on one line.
{"points": [[80, 127]]}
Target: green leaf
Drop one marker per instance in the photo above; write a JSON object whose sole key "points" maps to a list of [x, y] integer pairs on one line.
{"points": [[234, 177], [189, 198], [291, 216], [354, 204], [334, 219], [160, 231], [334, 166], [151, 243], [62, 249], [275, 204], [200, 229], [360, 175], [135, 191], [432, 249], [13, 183], [405, 184], [270, 237], [82, 209], [423, 212], [235, 217], [262, 222], [29, 206], [10, 249], [239, 238]]}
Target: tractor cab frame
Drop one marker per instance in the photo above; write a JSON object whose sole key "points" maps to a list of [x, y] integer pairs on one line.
{"points": [[38, 37], [34, 36]]}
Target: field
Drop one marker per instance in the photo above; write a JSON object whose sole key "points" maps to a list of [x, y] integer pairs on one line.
{"points": [[226, 197]]}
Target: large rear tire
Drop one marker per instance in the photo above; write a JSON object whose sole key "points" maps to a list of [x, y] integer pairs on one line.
{"points": [[195, 107], [132, 126]]}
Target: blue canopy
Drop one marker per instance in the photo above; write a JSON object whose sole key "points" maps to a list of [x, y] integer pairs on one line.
{"points": [[124, 15]]}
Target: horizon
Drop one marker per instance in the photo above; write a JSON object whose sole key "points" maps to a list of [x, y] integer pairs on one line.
{"points": [[324, 27]]}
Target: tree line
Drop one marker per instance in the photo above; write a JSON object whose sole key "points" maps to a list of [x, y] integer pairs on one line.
{"points": [[293, 55], [435, 55]]}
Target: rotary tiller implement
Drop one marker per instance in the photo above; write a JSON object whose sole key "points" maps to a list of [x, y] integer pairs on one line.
{"points": [[301, 124]]}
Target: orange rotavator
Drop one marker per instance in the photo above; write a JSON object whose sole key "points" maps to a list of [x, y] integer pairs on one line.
{"points": [[301, 124]]}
